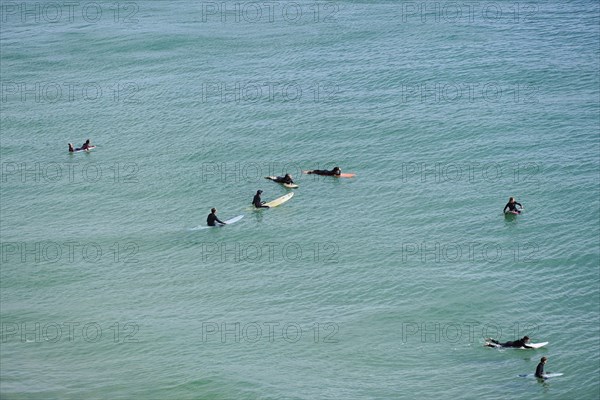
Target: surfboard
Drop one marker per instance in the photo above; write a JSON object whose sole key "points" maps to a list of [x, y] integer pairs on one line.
{"points": [[79, 151], [534, 345], [233, 220], [550, 375], [287, 185], [280, 200], [342, 175], [217, 225], [512, 213]]}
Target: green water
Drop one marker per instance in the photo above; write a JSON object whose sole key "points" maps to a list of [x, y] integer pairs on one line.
{"points": [[379, 286]]}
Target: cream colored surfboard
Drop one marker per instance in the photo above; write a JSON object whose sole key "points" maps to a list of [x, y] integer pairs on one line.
{"points": [[280, 200]]}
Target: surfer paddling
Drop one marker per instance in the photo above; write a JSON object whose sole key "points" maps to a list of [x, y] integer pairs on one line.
{"points": [[517, 343], [333, 172], [512, 206], [85, 147], [212, 218], [539, 371], [282, 179], [257, 202]]}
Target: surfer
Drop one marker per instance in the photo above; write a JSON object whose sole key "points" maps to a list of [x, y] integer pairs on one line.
{"points": [[256, 201], [212, 217], [71, 149], [512, 206], [283, 179], [334, 171], [539, 371], [86, 145], [516, 343]]}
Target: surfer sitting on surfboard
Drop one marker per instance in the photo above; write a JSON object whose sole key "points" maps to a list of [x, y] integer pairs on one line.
{"points": [[334, 171], [512, 206], [282, 179], [539, 371], [256, 201], [212, 217], [516, 343]]}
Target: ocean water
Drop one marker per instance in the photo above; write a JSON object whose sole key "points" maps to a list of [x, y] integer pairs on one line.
{"points": [[375, 287]]}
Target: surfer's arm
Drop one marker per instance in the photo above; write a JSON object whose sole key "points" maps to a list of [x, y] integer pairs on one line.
{"points": [[505, 207], [519, 204]]}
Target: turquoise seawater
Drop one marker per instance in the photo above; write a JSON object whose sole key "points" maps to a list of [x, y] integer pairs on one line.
{"points": [[381, 286]]}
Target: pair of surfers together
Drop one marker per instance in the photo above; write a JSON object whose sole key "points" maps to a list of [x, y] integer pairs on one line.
{"points": [[539, 371], [287, 179], [257, 202]]}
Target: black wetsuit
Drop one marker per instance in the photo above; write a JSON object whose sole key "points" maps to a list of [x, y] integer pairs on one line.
{"points": [[516, 343], [283, 179], [512, 206], [325, 172], [539, 371], [210, 220], [257, 202]]}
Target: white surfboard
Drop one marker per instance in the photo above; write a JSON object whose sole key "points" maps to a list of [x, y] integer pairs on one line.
{"points": [[233, 220], [227, 221], [83, 151], [533, 345], [550, 375]]}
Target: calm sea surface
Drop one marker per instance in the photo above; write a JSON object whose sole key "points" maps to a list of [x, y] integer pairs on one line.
{"points": [[381, 286]]}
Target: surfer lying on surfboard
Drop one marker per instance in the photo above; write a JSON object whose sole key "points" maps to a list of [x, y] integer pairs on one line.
{"points": [[334, 171], [85, 146], [512, 206], [516, 343], [282, 179], [256, 201], [212, 218]]}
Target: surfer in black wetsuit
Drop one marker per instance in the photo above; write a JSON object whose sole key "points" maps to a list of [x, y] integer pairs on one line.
{"points": [[334, 171], [71, 149], [256, 201], [512, 206], [516, 343], [539, 371], [284, 179], [212, 218]]}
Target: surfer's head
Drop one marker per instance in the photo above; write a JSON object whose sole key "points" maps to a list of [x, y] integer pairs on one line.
{"points": [[543, 360], [258, 191], [213, 210], [526, 338], [337, 170], [511, 200]]}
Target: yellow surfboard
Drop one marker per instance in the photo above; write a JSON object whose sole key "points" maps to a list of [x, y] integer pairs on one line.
{"points": [[280, 200]]}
